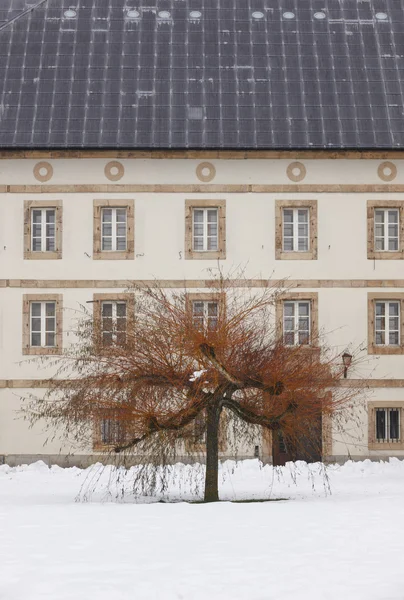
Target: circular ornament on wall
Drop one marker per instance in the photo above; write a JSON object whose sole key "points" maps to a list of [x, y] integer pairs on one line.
{"points": [[296, 171], [387, 171], [205, 172], [114, 170], [43, 171]]}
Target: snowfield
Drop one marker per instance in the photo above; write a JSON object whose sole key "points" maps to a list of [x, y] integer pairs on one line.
{"points": [[347, 545]]}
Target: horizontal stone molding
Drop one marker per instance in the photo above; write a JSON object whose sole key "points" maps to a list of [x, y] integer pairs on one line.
{"points": [[200, 283], [203, 188], [359, 383], [199, 154]]}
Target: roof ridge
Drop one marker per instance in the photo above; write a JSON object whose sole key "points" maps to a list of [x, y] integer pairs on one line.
{"points": [[27, 10]]}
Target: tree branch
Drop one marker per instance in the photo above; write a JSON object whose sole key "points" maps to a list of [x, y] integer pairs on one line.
{"points": [[251, 417], [209, 353]]}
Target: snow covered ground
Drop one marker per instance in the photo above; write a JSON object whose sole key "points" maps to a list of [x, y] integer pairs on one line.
{"points": [[347, 545]]}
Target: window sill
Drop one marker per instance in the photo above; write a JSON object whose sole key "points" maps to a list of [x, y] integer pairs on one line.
{"points": [[30, 255], [385, 350], [127, 255], [385, 255], [283, 255], [40, 351], [380, 446], [201, 255]]}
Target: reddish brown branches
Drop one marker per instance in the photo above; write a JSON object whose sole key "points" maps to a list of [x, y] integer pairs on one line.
{"points": [[183, 359]]}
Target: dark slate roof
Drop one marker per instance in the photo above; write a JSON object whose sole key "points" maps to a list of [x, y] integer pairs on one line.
{"points": [[238, 75]]}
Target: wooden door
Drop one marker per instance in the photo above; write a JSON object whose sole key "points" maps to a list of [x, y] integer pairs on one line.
{"points": [[308, 448]]}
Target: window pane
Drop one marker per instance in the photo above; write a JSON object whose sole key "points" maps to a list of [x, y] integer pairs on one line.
{"points": [[198, 243], [212, 243], [288, 244], [289, 324], [50, 324], [121, 310], [107, 229], [50, 309], [121, 229], [379, 216], [303, 230], [198, 216], [289, 338], [393, 338], [288, 309], [394, 424], [121, 215], [304, 308], [107, 243], [50, 244], [380, 308], [213, 309], [393, 309], [198, 308], [288, 215], [35, 339], [36, 231], [393, 216], [107, 338], [304, 338], [50, 340], [36, 309], [380, 424], [121, 243], [288, 230], [379, 244], [303, 244], [50, 216], [107, 215], [393, 244], [36, 216], [303, 215], [380, 337], [107, 309], [35, 324], [212, 215], [212, 229]]}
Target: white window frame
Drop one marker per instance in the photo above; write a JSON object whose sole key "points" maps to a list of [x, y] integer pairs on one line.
{"points": [[43, 224], [111, 432], [114, 227], [205, 237], [385, 238], [387, 317], [205, 319], [296, 317], [387, 425], [114, 319], [43, 323], [295, 227]]}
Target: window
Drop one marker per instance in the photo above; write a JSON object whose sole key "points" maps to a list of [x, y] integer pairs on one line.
{"points": [[205, 314], [43, 324], [114, 229], [113, 322], [43, 230], [296, 229], [296, 322], [386, 229], [297, 318], [112, 315], [112, 432], [385, 425], [205, 229], [42, 327], [385, 323]]}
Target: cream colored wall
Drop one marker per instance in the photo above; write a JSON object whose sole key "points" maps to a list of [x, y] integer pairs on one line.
{"points": [[159, 251]]}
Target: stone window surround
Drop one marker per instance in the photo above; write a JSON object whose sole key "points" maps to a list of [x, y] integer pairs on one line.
{"points": [[384, 254], [220, 253], [27, 349], [312, 297], [373, 444], [98, 299], [383, 297], [129, 253], [28, 252], [280, 253]]}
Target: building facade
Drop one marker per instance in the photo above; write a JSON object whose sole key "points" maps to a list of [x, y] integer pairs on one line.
{"points": [[76, 230]]}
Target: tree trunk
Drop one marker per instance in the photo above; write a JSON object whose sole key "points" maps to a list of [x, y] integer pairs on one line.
{"points": [[212, 453]]}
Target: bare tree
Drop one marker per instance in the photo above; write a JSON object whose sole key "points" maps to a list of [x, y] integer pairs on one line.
{"points": [[176, 363]]}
